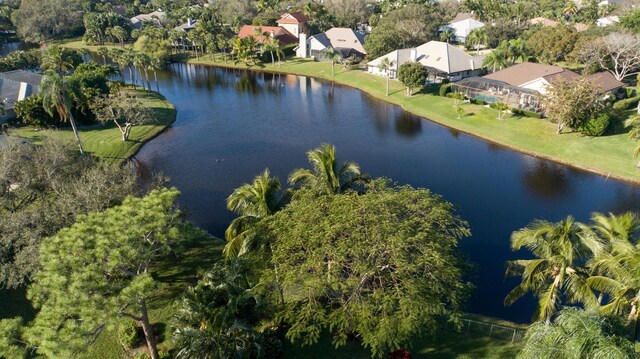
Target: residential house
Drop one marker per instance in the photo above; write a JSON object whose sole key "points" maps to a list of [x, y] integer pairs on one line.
{"points": [[277, 32], [442, 60], [347, 42], [295, 23], [550, 23], [156, 18], [521, 85], [187, 26], [15, 86], [462, 25]]}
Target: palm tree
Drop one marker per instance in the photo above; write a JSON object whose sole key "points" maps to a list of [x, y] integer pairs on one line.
{"points": [[327, 176], [118, 56], [128, 57], [558, 248], [616, 267], [577, 333], [386, 65], [57, 60], [154, 65], [634, 133], [570, 8], [252, 202], [103, 51], [269, 45], [478, 37], [56, 96], [447, 34], [332, 55], [141, 63], [495, 59], [502, 109]]}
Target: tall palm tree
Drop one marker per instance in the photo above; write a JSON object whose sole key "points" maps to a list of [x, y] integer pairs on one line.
{"points": [[326, 175], [56, 96], [634, 133], [332, 55], [104, 52], [252, 202], [55, 58], [559, 249], [141, 63], [154, 65], [478, 37], [447, 34], [269, 45], [616, 267], [496, 59], [570, 8], [386, 65]]}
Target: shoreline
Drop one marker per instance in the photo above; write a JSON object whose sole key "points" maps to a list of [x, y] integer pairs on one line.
{"points": [[267, 68]]}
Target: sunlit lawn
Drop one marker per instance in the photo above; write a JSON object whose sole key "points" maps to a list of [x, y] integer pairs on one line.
{"points": [[105, 140]]}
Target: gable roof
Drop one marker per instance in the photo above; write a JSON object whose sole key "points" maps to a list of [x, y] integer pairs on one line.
{"points": [[525, 72], [22, 76], [446, 58], [292, 18], [462, 16], [158, 14], [543, 21], [187, 26], [605, 81], [284, 36], [340, 37], [11, 82]]}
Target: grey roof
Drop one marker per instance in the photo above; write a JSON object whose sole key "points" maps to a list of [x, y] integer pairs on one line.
{"points": [[446, 57], [340, 37], [22, 76], [10, 83]]}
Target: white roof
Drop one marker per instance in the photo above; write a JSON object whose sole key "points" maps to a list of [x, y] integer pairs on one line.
{"points": [[463, 27], [158, 14], [435, 54], [607, 21]]}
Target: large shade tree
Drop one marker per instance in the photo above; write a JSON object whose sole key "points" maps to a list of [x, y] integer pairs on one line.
{"points": [[99, 271], [380, 265]]}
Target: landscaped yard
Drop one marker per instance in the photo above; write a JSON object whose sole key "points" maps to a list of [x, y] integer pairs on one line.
{"points": [[105, 140], [609, 155]]}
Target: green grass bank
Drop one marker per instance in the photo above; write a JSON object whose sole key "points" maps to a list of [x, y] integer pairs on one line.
{"points": [[609, 155], [105, 141]]}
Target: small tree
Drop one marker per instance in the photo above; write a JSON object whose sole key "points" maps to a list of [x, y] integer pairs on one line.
{"points": [[459, 112], [387, 65], [98, 271], [125, 112], [570, 103], [332, 55], [502, 109], [412, 74]]}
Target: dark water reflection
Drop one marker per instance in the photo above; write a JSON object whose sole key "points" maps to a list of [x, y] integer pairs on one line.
{"points": [[233, 124]]}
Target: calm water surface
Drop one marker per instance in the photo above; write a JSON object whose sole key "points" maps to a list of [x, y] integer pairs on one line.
{"points": [[233, 124]]}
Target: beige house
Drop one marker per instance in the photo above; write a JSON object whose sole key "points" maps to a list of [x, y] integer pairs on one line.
{"points": [[347, 42], [442, 60], [295, 23]]}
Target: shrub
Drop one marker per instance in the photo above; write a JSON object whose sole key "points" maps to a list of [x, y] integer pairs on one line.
{"points": [[163, 354], [128, 334], [31, 112], [595, 126], [142, 355], [445, 89], [272, 343], [626, 103], [476, 101], [526, 113], [630, 92]]}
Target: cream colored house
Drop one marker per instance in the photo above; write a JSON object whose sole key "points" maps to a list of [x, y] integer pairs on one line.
{"points": [[295, 23]]}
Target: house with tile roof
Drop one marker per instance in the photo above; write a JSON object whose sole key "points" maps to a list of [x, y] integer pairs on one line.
{"points": [[442, 60], [295, 23], [347, 42], [462, 25], [276, 32]]}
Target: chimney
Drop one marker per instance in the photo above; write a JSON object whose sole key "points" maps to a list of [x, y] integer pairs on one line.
{"points": [[414, 54], [303, 50], [272, 34], [473, 64], [25, 91], [189, 22]]}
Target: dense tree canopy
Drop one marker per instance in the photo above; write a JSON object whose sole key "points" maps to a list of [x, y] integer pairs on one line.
{"points": [[551, 44], [380, 265], [413, 75], [43, 20]]}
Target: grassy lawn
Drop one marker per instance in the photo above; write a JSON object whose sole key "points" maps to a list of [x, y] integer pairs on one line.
{"points": [[105, 140], [79, 44], [609, 155]]}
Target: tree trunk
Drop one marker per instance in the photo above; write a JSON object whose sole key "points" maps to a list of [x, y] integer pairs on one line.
{"points": [[560, 127], [332, 65], [273, 61], [155, 77], [131, 77], [75, 131], [148, 331]]}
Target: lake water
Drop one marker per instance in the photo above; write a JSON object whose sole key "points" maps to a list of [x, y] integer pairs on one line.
{"points": [[233, 124]]}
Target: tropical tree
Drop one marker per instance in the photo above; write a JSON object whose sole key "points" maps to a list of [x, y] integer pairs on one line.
{"points": [[104, 52], [502, 109], [327, 176], [387, 65], [496, 59], [124, 111], [57, 96], [447, 34], [57, 59], [577, 333], [270, 45], [476, 38], [412, 75], [559, 249], [332, 55], [119, 33], [570, 8], [252, 202], [634, 133], [616, 268], [155, 65]]}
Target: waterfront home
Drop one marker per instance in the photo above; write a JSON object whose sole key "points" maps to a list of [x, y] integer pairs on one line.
{"points": [[15, 86], [521, 85], [261, 33], [156, 18], [295, 23], [462, 25], [442, 60], [346, 42]]}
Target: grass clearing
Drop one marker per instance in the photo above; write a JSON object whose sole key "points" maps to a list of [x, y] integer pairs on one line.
{"points": [[105, 141], [609, 155]]}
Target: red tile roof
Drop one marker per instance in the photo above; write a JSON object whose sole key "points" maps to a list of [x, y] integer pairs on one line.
{"points": [[292, 18], [284, 36]]}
